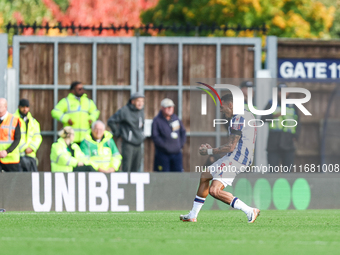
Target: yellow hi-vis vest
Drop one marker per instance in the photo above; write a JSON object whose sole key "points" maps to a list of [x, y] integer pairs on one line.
{"points": [[30, 138], [79, 111], [290, 114], [7, 131], [103, 154], [62, 159]]}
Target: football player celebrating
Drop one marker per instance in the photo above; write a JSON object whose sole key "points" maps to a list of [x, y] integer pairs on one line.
{"points": [[238, 154]]}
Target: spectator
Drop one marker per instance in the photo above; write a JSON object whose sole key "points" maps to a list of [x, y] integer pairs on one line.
{"points": [[77, 111], [10, 136], [101, 149], [281, 139], [30, 137], [128, 123], [66, 156], [168, 134]]}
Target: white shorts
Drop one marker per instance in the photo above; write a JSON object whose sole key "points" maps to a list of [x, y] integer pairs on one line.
{"points": [[225, 170]]}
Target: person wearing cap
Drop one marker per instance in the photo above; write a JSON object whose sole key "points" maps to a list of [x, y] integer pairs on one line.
{"points": [[244, 87], [76, 110], [168, 135], [101, 149], [10, 136], [282, 139], [128, 123], [66, 155], [30, 137]]}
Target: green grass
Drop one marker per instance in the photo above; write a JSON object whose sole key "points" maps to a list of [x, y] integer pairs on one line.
{"points": [[161, 232]]}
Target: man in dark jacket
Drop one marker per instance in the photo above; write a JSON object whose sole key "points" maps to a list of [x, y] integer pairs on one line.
{"points": [[281, 139], [128, 123], [168, 134]]}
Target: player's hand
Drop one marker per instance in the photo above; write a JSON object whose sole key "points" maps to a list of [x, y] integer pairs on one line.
{"points": [[203, 150], [80, 164], [70, 122], [208, 146], [28, 151]]}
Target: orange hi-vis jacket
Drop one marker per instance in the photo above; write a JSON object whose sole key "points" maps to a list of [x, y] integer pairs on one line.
{"points": [[7, 131]]}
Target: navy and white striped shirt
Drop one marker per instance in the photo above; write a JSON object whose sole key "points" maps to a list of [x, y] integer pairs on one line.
{"points": [[244, 150]]}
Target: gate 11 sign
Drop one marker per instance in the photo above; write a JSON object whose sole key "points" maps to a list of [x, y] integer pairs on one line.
{"points": [[309, 68]]}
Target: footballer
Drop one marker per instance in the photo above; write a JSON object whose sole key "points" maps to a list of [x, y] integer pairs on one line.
{"points": [[238, 154]]}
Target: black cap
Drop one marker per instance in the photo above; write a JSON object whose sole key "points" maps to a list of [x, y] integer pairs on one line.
{"points": [[281, 85], [24, 102], [248, 84]]}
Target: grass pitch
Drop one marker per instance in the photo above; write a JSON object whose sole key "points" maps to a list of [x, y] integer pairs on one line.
{"points": [[161, 232]]}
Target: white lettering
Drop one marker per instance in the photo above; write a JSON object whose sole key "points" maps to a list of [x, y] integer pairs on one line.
{"points": [[204, 104], [295, 123], [262, 112], [286, 69], [140, 179], [82, 192], [261, 121], [65, 192], [299, 70], [46, 206], [320, 70], [219, 122], [272, 121], [310, 68], [98, 192], [297, 101], [117, 193], [238, 97]]}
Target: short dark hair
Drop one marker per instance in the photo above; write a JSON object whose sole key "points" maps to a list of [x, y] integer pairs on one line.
{"points": [[227, 97], [74, 84]]}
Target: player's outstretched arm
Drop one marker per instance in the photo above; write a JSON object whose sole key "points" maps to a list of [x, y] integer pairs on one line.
{"points": [[223, 149]]}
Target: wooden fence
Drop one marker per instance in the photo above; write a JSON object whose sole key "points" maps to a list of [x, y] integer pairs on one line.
{"points": [[113, 68]]}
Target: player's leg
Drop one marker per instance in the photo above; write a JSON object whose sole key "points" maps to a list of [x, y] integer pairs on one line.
{"points": [[202, 193], [216, 191]]}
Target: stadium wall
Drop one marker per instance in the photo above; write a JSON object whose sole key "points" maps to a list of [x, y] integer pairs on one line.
{"points": [[98, 192]]}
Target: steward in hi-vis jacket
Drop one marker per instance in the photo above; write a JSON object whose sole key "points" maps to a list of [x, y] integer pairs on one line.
{"points": [[76, 110]]}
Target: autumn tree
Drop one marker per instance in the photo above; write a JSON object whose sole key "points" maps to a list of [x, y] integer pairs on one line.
{"points": [[283, 18], [96, 12], [79, 12]]}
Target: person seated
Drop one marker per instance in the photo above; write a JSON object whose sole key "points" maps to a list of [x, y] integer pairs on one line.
{"points": [[101, 149], [66, 156]]}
